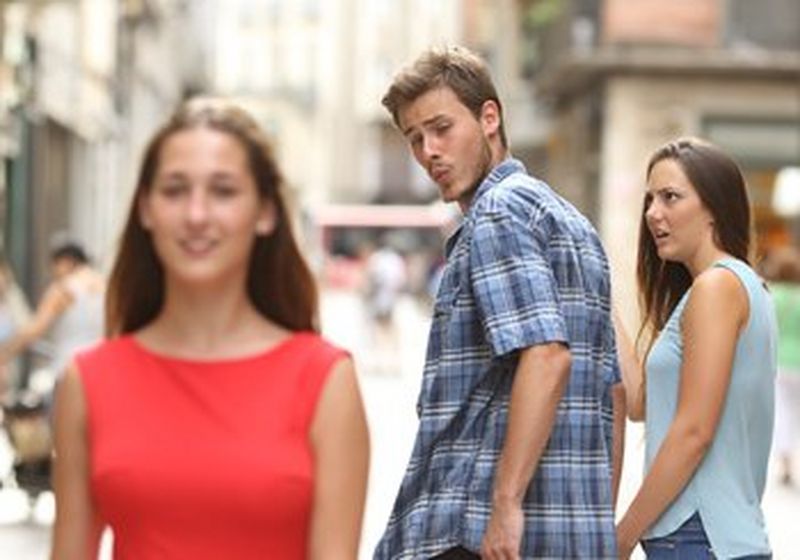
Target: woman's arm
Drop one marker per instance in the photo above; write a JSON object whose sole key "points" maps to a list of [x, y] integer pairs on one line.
{"points": [[714, 315], [341, 446], [54, 302], [632, 371], [76, 535]]}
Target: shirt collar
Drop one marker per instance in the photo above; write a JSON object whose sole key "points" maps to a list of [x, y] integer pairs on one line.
{"points": [[497, 174], [502, 170]]}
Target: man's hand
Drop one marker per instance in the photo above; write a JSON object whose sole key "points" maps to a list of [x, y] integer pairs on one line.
{"points": [[503, 537]]}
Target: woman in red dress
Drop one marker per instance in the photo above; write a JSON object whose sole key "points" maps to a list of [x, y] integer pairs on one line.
{"points": [[214, 422]]}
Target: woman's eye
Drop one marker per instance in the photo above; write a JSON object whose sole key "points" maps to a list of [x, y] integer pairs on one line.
{"points": [[171, 190], [224, 190]]}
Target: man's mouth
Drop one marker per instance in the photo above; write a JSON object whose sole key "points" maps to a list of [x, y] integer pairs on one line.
{"points": [[439, 174]]}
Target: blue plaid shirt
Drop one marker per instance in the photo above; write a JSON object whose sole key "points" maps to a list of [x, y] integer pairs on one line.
{"points": [[524, 268]]}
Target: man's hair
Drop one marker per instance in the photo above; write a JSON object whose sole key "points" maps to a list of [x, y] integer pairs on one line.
{"points": [[457, 68], [69, 250]]}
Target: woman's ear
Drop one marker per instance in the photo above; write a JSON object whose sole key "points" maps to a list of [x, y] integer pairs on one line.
{"points": [[143, 209], [267, 218]]}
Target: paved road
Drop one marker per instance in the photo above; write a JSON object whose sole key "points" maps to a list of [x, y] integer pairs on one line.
{"points": [[390, 389]]}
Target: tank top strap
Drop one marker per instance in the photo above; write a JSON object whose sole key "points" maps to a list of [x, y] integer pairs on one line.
{"points": [[754, 285], [742, 270]]}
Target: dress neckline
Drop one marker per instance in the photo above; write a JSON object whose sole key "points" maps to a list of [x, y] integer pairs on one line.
{"points": [[268, 351]]}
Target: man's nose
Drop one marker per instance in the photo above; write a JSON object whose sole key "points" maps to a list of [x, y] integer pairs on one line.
{"points": [[430, 146]]}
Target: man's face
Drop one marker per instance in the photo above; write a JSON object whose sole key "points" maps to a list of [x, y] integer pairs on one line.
{"points": [[450, 142], [61, 267]]}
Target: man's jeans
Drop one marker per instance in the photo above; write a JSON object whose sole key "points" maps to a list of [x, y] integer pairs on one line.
{"points": [[689, 542]]}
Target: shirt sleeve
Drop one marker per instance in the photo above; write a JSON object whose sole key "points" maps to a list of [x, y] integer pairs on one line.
{"points": [[513, 283]]}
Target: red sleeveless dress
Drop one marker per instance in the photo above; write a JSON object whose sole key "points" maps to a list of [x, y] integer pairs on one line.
{"points": [[204, 459]]}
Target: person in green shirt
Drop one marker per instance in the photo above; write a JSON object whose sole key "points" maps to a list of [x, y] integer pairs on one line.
{"points": [[782, 271]]}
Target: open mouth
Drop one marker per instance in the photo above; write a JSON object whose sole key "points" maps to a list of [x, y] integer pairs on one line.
{"points": [[659, 236]]}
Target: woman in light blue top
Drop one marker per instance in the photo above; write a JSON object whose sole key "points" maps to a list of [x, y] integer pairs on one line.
{"points": [[706, 388]]}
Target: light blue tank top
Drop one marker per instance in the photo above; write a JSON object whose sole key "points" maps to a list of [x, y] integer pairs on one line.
{"points": [[727, 487]]}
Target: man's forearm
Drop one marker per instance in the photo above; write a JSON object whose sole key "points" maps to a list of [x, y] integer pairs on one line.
{"points": [[539, 382]]}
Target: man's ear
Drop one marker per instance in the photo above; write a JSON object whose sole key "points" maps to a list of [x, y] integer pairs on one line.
{"points": [[490, 118]]}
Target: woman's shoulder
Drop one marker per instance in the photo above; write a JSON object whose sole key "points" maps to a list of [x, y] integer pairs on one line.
{"points": [[108, 351], [719, 283], [317, 346], [719, 293]]}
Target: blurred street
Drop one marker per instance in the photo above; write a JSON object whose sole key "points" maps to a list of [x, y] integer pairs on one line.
{"points": [[390, 389]]}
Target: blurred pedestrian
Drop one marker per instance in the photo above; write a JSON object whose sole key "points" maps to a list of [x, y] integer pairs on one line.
{"points": [[513, 457], [14, 313], [710, 367], [215, 422], [782, 269], [70, 311], [385, 282]]}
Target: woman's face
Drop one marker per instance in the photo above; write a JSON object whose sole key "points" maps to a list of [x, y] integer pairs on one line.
{"points": [[203, 209], [680, 225]]}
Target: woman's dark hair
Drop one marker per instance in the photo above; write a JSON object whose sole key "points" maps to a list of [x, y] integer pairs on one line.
{"points": [[721, 187], [279, 282]]}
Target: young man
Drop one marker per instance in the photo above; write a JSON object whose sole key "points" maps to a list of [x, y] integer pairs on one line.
{"points": [[513, 458]]}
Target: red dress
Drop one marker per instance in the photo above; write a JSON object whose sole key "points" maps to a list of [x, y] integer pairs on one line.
{"points": [[204, 459]]}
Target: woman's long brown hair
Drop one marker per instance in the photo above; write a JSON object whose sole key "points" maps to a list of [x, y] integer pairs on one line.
{"points": [[279, 282], [721, 187]]}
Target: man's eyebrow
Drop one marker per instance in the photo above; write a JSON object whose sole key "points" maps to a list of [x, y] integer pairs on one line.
{"points": [[426, 122]]}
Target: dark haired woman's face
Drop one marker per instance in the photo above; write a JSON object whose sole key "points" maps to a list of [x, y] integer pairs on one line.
{"points": [[680, 225], [203, 209]]}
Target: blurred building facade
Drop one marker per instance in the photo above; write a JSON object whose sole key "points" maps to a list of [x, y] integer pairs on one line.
{"points": [[315, 72], [83, 83], [623, 77], [589, 87]]}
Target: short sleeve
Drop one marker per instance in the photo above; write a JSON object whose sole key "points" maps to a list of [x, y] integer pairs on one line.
{"points": [[513, 283]]}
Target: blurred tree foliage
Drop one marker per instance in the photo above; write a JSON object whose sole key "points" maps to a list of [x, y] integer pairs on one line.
{"points": [[537, 16]]}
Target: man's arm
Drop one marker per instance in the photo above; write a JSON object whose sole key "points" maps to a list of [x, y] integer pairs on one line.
{"points": [[53, 303], [540, 378]]}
